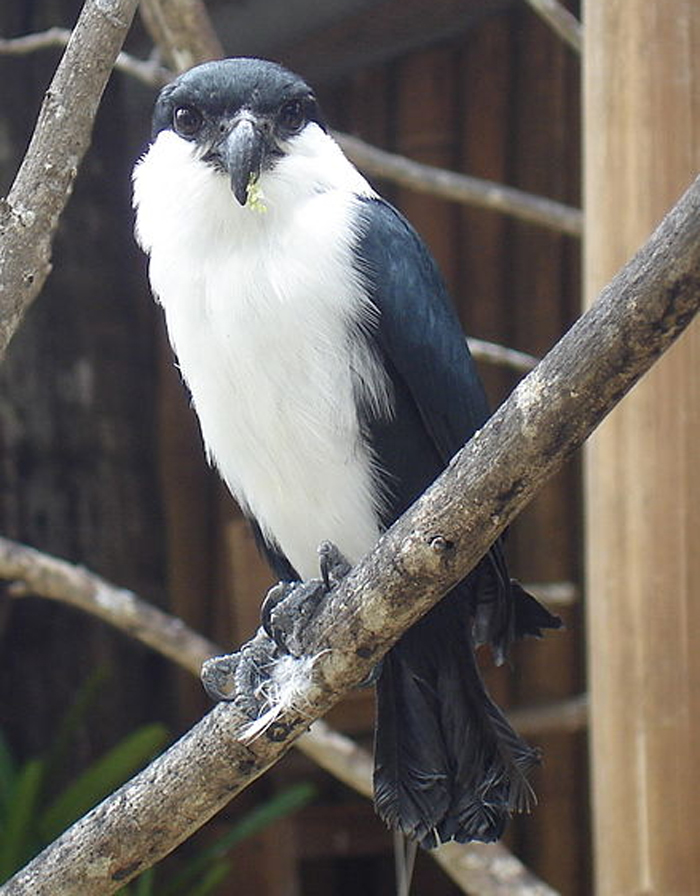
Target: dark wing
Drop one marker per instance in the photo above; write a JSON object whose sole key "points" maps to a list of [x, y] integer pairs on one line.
{"points": [[440, 401], [439, 398], [447, 764]]}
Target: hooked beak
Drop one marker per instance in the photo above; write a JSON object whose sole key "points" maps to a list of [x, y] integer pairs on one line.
{"points": [[243, 153]]}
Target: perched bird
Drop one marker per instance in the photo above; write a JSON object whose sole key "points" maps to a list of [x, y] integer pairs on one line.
{"points": [[333, 384]]}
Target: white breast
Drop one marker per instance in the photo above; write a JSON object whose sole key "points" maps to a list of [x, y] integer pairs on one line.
{"points": [[260, 310]]}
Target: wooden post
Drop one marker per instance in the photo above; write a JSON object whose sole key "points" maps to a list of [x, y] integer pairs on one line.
{"points": [[642, 148]]}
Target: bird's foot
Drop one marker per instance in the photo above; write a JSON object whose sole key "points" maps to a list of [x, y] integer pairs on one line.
{"points": [[289, 607], [242, 677]]}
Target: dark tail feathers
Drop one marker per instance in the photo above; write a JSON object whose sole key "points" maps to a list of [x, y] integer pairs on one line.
{"points": [[447, 763]]}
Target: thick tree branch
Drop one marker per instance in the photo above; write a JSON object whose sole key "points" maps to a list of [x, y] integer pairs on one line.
{"points": [[29, 215], [462, 187], [424, 554], [560, 20], [30, 572]]}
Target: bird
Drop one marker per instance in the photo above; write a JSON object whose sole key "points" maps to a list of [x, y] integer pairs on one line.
{"points": [[333, 383]]}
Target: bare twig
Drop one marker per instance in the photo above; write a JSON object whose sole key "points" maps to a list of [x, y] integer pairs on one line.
{"points": [[462, 187], [555, 594], [149, 71], [433, 546], [501, 356], [37, 573], [33, 572], [182, 31], [477, 868], [374, 161], [29, 215], [564, 23], [564, 716]]}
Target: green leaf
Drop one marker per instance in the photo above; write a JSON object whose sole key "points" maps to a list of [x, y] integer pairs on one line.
{"points": [[212, 880], [75, 717], [19, 841], [101, 778], [290, 800], [8, 774], [144, 883]]}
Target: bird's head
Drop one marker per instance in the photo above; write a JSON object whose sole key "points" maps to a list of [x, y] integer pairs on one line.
{"points": [[241, 115]]}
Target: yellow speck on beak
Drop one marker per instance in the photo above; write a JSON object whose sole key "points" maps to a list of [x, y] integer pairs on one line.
{"points": [[256, 198]]}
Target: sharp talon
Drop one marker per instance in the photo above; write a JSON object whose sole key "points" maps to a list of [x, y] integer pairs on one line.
{"points": [[273, 598], [334, 567], [372, 678], [289, 606]]}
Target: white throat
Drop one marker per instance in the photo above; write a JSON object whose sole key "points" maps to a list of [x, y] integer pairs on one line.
{"points": [[265, 311]]}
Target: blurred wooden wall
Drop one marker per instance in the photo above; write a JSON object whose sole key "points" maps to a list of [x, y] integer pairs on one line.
{"points": [[501, 102]]}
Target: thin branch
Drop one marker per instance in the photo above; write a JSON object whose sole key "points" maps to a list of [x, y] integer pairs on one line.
{"points": [[560, 20], [501, 356], [427, 551], [182, 31], [148, 72], [29, 216], [555, 594], [462, 187], [562, 717], [477, 868], [374, 161], [32, 572]]}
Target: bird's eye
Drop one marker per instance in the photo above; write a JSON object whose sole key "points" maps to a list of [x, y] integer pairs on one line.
{"points": [[292, 115], [187, 121]]}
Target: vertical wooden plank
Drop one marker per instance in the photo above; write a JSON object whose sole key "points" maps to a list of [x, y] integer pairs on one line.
{"points": [[641, 148], [267, 863], [245, 577], [483, 121], [543, 543], [187, 490], [480, 292], [425, 130]]}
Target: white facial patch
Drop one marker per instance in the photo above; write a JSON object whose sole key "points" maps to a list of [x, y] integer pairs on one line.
{"points": [[264, 312]]}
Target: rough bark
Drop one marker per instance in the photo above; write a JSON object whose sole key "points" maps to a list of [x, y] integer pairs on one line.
{"points": [[483, 871], [431, 547], [29, 215]]}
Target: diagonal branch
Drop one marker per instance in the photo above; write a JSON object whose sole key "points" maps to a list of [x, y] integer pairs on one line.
{"points": [[561, 21], [434, 544], [492, 353], [33, 572], [483, 871], [450, 185], [148, 71], [182, 31], [29, 215], [462, 187]]}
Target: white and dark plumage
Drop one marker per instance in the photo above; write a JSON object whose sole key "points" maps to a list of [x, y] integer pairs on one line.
{"points": [[332, 383]]}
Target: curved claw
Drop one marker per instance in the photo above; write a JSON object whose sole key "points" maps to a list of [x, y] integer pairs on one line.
{"points": [[334, 567], [273, 598]]}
